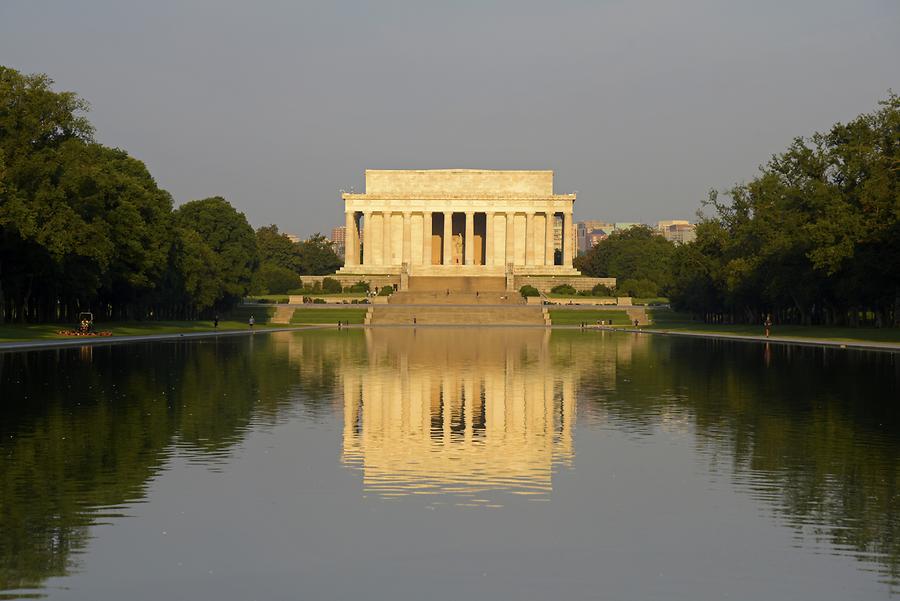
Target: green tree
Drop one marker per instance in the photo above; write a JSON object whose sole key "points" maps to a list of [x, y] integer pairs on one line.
{"points": [[637, 253], [274, 279], [814, 238], [35, 122], [317, 256], [276, 248], [229, 236]]}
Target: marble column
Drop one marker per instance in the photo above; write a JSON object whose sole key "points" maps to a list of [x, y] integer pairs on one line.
{"points": [[489, 238], [529, 238], [388, 259], [567, 239], [407, 237], [367, 236], [548, 238], [469, 245], [426, 238], [448, 238], [510, 238], [351, 258]]}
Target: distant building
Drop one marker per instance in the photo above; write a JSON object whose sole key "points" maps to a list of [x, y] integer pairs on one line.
{"points": [[338, 238], [596, 237], [678, 231], [662, 225], [590, 232], [292, 237], [621, 226]]}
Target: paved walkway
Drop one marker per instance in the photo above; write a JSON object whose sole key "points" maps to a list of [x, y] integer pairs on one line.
{"points": [[827, 342], [97, 340]]}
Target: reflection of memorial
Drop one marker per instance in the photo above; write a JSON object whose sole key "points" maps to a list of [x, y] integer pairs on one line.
{"points": [[457, 411]]}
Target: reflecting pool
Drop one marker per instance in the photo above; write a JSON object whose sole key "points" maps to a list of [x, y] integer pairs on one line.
{"points": [[425, 463]]}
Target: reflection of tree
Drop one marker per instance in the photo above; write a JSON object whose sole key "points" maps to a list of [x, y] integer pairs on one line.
{"points": [[815, 430], [80, 432]]}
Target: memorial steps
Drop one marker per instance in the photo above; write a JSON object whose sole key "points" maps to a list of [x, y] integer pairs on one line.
{"points": [[434, 315], [437, 283], [465, 299], [283, 314]]}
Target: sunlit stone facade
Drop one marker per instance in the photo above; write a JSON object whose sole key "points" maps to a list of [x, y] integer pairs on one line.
{"points": [[459, 222]]}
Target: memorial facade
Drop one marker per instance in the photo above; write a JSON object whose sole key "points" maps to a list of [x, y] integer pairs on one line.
{"points": [[458, 222]]}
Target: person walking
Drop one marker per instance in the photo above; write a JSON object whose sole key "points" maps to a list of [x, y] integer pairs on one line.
{"points": [[251, 322], [216, 321], [768, 324]]}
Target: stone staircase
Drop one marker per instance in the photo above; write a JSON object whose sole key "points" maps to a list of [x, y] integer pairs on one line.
{"points": [[499, 315], [638, 313], [283, 314], [469, 301], [455, 298]]}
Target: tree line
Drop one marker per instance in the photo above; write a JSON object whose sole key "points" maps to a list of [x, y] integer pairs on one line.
{"points": [[814, 238], [84, 227]]}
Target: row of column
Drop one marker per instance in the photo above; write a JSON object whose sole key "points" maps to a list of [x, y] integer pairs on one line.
{"points": [[351, 240]]}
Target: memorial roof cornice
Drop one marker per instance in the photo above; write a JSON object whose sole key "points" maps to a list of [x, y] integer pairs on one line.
{"points": [[353, 196]]}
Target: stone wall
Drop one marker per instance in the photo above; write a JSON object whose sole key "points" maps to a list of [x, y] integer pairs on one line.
{"points": [[450, 182], [375, 281], [546, 283]]}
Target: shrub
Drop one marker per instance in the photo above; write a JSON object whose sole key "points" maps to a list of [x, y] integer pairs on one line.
{"points": [[386, 291], [527, 291], [563, 289], [318, 301], [331, 285], [601, 290], [358, 287]]}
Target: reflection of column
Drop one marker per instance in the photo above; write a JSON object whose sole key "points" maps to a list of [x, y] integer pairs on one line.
{"points": [[548, 238], [407, 237], [426, 238], [351, 405], [510, 234], [489, 238], [567, 239], [469, 407], [448, 237], [529, 238], [367, 239], [351, 252], [470, 238], [447, 407], [388, 259]]}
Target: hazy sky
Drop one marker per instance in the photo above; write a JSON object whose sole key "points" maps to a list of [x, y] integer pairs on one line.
{"points": [[639, 106]]}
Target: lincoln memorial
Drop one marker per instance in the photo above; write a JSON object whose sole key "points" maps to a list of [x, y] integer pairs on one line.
{"points": [[459, 222]]}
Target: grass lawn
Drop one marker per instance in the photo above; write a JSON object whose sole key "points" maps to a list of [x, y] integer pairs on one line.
{"points": [[678, 322], [563, 317], [308, 315], [659, 300], [268, 297], [20, 332]]}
